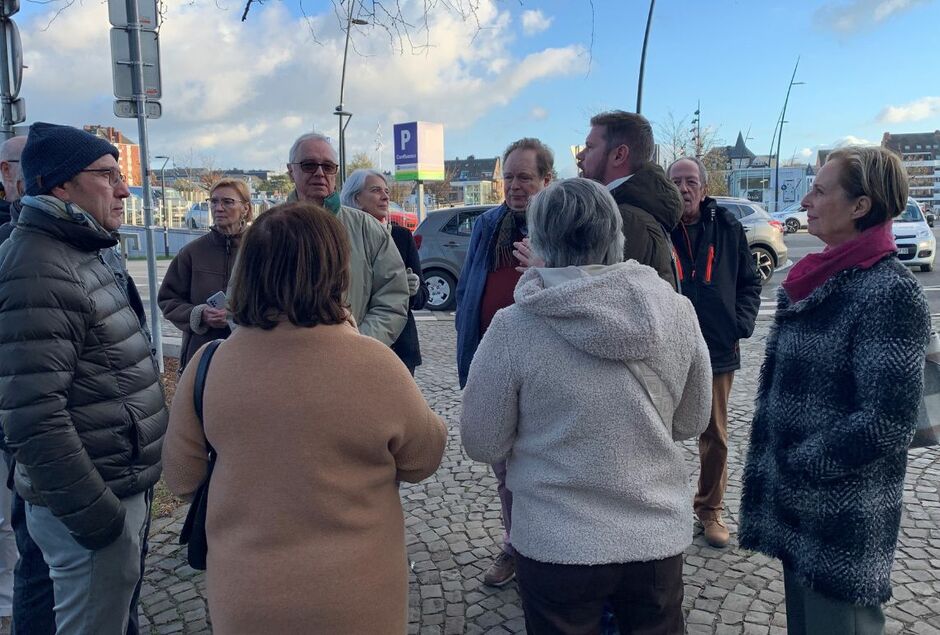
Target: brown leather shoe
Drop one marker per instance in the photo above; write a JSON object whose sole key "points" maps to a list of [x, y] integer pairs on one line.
{"points": [[716, 534], [501, 571]]}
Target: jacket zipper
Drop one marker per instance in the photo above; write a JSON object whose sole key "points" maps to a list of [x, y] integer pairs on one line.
{"points": [[679, 271], [688, 244]]}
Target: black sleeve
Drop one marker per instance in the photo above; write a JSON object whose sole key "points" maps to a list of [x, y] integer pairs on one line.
{"points": [[748, 287], [409, 255]]}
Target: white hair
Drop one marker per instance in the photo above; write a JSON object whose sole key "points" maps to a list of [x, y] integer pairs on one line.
{"points": [[575, 222], [311, 136]]}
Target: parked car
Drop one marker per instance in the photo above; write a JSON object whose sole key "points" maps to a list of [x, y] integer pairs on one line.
{"points": [[402, 218], [443, 239], [764, 234], [198, 216], [917, 246], [793, 218]]}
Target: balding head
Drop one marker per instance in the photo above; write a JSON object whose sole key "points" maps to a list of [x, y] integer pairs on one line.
{"points": [[10, 171]]}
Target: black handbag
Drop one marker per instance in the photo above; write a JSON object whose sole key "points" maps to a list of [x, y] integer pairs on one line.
{"points": [[193, 533]]}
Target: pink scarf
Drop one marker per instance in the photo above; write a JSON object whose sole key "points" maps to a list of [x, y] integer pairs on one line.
{"points": [[862, 252]]}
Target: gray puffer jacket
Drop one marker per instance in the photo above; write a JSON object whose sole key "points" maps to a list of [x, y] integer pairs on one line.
{"points": [[80, 398]]}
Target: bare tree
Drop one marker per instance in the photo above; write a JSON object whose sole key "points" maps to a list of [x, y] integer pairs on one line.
{"points": [[440, 190], [675, 140]]}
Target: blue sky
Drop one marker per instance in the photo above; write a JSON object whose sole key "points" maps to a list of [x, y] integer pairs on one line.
{"points": [[236, 94]]}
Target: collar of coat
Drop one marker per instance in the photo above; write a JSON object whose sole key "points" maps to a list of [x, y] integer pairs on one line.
{"points": [[64, 221]]}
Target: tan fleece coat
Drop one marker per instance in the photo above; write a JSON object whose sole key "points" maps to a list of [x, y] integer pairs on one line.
{"points": [[313, 426]]}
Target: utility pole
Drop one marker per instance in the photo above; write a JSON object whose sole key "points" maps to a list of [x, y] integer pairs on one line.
{"points": [[166, 224], [11, 70], [646, 37], [697, 129]]}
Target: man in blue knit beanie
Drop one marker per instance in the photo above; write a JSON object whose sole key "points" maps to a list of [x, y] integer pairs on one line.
{"points": [[83, 410]]}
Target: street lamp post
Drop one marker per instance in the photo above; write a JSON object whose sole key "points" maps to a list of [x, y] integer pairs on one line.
{"points": [[783, 117], [340, 112], [646, 37], [166, 228]]}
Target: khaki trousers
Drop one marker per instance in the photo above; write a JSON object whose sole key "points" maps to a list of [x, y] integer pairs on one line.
{"points": [[713, 453]]}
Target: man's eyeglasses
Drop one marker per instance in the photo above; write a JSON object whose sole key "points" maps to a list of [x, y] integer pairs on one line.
{"points": [[114, 175], [224, 202], [311, 167]]}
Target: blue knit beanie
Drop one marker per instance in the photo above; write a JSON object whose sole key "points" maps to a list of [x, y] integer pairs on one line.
{"points": [[54, 154]]}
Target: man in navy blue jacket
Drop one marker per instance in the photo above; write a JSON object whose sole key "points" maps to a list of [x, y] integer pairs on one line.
{"points": [[486, 284], [716, 272]]}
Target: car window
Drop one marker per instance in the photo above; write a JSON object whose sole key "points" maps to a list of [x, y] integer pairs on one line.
{"points": [[461, 224], [911, 214], [735, 210]]}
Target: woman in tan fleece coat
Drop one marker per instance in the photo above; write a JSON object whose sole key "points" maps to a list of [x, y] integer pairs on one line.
{"points": [[313, 424]]}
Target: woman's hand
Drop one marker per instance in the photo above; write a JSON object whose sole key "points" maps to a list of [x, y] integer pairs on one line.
{"points": [[215, 318], [523, 253]]}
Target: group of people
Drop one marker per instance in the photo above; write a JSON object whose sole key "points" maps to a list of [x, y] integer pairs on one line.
{"points": [[598, 325]]}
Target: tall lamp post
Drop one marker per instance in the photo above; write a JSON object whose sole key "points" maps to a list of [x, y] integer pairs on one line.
{"points": [[166, 229], [340, 112], [646, 37], [783, 117]]}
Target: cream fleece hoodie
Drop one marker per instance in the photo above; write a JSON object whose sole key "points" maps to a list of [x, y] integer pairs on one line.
{"points": [[555, 385]]}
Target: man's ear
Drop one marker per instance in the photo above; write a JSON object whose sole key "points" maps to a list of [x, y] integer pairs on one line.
{"points": [[290, 173], [61, 193], [621, 155]]}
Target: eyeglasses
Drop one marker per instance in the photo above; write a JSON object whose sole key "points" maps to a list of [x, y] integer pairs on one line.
{"points": [[114, 175], [311, 167], [224, 202]]}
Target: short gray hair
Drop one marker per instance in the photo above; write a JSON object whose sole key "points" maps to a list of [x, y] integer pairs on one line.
{"points": [[575, 222], [355, 183], [311, 136], [702, 170]]}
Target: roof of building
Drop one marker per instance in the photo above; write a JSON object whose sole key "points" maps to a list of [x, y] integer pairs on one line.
{"points": [[472, 169], [109, 134], [739, 150], [910, 140]]}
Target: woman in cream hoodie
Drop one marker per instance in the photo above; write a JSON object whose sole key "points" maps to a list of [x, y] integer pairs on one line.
{"points": [[585, 384]]}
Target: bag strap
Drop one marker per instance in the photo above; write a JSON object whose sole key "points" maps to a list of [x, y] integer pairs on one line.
{"points": [[201, 371]]}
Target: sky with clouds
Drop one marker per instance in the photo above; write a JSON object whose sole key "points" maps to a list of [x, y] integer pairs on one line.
{"points": [[236, 94]]}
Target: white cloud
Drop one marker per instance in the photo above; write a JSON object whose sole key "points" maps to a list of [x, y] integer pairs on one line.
{"points": [[807, 153], [855, 15], [917, 110], [538, 113], [851, 140], [534, 21], [241, 92]]}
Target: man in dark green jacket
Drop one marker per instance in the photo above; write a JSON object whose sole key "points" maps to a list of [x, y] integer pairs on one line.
{"points": [[80, 399], [617, 153], [717, 274]]}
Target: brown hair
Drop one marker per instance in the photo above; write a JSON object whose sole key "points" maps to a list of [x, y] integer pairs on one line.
{"points": [[628, 129], [293, 264], [239, 186], [877, 173], [544, 157]]}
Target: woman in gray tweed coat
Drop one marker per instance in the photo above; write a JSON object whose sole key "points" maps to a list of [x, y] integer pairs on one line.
{"points": [[837, 403]]}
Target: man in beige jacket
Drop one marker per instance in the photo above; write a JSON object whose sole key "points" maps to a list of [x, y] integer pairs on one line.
{"points": [[378, 289]]}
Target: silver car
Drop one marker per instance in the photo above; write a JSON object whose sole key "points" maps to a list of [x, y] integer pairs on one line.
{"points": [[443, 238], [764, 234], [793, 218], [917, 246]]}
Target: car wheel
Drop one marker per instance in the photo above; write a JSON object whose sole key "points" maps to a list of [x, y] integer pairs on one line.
{"points": [[793, 225], [442, 290], [927, 267], [764, 262]]}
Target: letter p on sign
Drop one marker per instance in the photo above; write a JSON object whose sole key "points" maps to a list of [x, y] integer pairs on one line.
{"points": [[405, 137]]}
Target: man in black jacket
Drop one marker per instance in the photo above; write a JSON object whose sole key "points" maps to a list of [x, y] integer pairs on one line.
{"points": [[716, 272], [617, 154], [80, 398]]}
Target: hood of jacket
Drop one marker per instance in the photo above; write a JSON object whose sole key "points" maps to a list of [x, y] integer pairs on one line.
{"points": [[620, 312], [651, 191]]}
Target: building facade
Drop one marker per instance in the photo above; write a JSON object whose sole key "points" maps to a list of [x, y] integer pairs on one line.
{"points": [[920, 153], [129, 160], [473, 181]]}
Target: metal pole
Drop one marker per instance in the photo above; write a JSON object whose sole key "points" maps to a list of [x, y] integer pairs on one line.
{"points": [[339, 109], [137, 68], [646, 37], [419, 203], [783, 116], [166, 224], [6, 125]]}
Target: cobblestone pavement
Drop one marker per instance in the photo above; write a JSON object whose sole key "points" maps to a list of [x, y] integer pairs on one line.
{"points": [[454, 529]]}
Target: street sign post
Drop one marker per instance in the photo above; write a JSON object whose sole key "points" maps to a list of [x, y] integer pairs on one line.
{"points": [[135, 54], [11, 69]]}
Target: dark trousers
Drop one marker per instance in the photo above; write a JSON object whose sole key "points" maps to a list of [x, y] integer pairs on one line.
{"points": [[811, 613], [560, 599]]}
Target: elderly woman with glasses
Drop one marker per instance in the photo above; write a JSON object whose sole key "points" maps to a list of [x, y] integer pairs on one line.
{"points": [[201, 270], [600, 487], [368, 190]]}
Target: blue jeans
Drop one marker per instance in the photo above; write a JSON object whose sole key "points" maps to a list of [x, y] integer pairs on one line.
{"points": [[33, 599], [94, 589]]}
